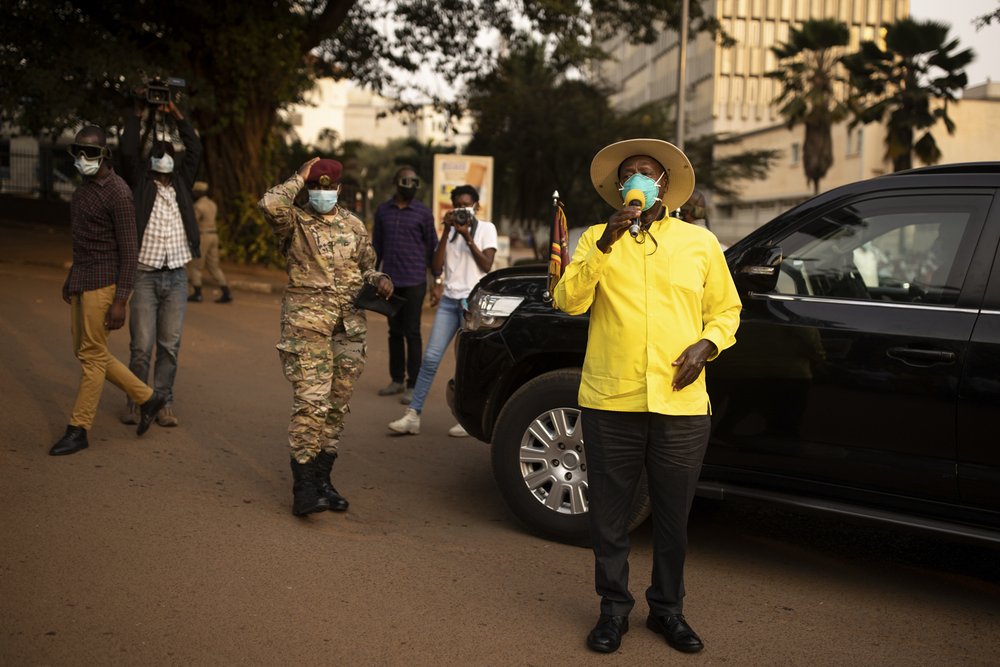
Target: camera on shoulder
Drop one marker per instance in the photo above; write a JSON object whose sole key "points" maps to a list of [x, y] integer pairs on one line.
{"points": [[163, 91]]}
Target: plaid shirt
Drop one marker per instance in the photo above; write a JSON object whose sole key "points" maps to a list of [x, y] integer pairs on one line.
{"points": [[164, 243], [102, 217]]}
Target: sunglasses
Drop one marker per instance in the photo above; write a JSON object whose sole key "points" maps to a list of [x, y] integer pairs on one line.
{"points": [[408, 182], [86, 150]]}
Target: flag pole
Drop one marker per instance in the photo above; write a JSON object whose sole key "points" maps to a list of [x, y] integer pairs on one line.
{"points": [[552, 238]]}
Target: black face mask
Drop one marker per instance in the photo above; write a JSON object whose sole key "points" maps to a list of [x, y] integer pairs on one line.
{"points": [[407, 193]]}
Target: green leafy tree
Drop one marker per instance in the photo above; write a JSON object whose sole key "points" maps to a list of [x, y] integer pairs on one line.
{"points": [[909, 85], [808, 77], [64, 61]]}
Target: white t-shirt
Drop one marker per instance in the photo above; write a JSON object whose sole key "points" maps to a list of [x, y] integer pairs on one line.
{"points": [[460, 270]]}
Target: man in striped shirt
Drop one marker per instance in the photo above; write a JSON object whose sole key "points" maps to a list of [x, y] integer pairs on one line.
{"points": [[98, 286], [168, 239], [404, 240]]}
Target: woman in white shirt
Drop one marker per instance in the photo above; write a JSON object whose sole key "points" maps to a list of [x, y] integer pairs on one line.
{"points": [[463, 256]]}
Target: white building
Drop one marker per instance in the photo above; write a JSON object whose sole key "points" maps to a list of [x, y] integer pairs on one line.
{"points": [[357, 114]]}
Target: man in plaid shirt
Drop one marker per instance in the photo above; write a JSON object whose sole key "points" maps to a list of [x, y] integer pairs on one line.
{"points": [[168, 238], [98, 286]]}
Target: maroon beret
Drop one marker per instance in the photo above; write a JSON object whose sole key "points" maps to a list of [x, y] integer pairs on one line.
{"points": [[329, 168]]}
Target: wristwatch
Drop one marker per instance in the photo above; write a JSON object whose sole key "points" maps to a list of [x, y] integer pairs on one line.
{"points": [[439, 280]]}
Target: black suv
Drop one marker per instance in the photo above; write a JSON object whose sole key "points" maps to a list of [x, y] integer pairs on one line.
{"points": [[865, 379]]}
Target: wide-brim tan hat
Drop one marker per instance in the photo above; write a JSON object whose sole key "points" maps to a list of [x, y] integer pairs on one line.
{"points": [[604, 170]]}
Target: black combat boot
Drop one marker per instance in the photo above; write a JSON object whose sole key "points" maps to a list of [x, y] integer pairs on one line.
{"points": [[196, 295], [73, 441], [226, 296], [324, 464], [305, 488]]}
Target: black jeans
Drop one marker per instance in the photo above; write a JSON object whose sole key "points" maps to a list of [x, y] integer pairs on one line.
{"points": [[405, 344], [671, 448]]}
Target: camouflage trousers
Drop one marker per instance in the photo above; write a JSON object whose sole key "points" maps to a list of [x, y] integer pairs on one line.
{"points": [[322, 355]]}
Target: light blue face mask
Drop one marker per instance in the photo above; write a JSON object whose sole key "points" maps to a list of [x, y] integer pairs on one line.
{"points": [[162, 165], [323, 201], [649, 188]]}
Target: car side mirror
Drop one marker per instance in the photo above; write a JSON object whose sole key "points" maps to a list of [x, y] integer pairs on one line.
{"points": [[757, 270]]}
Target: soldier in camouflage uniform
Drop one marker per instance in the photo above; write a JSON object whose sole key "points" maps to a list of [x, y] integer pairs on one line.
{"points": [[322, 347]]}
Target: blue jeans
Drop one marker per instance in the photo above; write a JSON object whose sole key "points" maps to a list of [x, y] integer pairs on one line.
{"points": [[156, 316], [446, 324]]}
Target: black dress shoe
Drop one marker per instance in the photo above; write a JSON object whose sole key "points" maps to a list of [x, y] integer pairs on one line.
{"points": [[148, 410], [73, 441], [606, 636], [677, 632]]}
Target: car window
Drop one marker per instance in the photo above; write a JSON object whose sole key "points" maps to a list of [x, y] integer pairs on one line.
{"points": [[903, 249]]}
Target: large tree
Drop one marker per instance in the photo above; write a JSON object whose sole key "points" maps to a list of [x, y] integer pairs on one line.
{"points": [[808, 76], [909, 85], [64, 61]]}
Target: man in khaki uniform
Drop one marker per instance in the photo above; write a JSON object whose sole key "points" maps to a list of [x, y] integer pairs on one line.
{"points": [[322, 347], [205, 211]]}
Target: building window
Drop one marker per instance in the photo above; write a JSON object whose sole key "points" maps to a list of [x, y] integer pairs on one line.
{"points": [[794, 152], [854, 138]]}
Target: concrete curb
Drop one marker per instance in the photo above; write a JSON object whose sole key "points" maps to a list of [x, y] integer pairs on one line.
{"points": [[256, 286]]}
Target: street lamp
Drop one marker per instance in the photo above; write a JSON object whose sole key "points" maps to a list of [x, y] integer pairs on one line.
{"points": [[682, 74]]}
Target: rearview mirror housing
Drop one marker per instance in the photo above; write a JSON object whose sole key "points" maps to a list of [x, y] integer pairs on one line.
{"points": [[757, 270]]}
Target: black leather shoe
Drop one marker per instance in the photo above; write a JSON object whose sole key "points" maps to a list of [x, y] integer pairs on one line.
{"points": [[606, 636], [73, 441], [148, 410], [677, 632]]}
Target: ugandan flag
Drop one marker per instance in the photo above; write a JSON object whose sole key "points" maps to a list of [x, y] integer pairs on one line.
{"points": [[559, 253]]}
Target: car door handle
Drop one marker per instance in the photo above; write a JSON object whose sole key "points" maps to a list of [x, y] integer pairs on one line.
{"points": [[914, 356]]}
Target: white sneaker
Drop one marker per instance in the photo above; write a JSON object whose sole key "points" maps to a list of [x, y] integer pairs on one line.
{"points": [[408, 423], [457, 431]]}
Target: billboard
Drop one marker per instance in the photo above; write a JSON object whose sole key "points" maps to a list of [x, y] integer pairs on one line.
{"points": [[450, 171]]}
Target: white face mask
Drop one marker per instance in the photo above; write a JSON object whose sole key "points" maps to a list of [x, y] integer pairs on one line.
{"points": [[163, 165], [87, 166]]}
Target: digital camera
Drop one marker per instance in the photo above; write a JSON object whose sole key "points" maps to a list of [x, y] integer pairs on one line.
{"points": [[464, 216]]}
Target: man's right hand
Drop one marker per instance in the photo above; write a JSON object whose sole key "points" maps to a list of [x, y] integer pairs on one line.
{"points": [[65, 291], [618, 223], [307, 167], [139, 100]]}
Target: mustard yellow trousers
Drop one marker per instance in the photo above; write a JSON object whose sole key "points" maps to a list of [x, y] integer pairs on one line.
{"points": [[90, 344]]}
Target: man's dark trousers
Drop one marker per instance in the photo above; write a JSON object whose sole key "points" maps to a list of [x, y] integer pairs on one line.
{"points": [[405, 344], [671, 448]]}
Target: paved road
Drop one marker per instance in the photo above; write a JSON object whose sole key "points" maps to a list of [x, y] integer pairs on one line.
{"points": [[179, 548]]}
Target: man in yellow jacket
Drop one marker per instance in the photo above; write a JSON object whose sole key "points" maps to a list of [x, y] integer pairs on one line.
{"points": [[662, 303]]}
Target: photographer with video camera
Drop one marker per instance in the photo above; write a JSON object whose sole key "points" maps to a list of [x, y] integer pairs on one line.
{"points": [[463, 256], [168, 238]]}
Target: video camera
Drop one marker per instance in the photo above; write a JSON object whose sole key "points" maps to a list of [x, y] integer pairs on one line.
{"points": [[159, 91]]}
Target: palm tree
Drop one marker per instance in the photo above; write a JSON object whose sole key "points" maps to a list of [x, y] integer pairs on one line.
{"points": [[808, 63], [911, 82]]}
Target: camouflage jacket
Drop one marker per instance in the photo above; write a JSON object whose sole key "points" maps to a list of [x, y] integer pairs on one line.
{"points": [[332, 255]]}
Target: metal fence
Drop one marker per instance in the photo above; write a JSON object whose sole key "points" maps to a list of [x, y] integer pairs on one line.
{"points": [[46, 173]]}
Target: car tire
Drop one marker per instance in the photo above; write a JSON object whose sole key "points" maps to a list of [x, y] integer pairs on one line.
{"points": [[539, 460]]}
